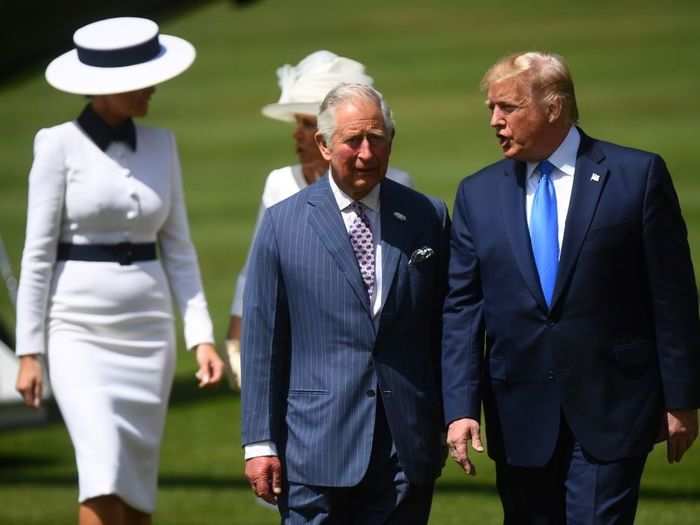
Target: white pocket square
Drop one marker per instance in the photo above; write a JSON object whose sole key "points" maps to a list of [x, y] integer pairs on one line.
{"points": [[420, 255]]}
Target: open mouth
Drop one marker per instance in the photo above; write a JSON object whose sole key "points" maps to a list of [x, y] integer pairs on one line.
{"points": [[503, 141]]}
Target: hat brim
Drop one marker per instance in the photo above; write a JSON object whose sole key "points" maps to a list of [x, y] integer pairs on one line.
{"points": [[67, 73], [286, 111]]}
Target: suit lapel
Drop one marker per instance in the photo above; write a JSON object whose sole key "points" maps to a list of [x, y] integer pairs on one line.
{"points": [[327, 222], [515, 218], [589, 180], [394, 235]]}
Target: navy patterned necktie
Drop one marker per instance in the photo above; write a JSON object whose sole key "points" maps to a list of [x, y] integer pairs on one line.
{"points": [[544, 230], [362, 242]]}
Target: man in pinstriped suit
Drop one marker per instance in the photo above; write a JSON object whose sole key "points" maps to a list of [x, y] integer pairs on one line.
{"points": [[341, 350]]}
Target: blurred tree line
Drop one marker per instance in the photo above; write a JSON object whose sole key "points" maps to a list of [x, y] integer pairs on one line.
{"points": [[35, 31]]}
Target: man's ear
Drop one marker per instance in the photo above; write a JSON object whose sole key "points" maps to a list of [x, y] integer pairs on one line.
{"points": [[554, 110], [322, 146]]}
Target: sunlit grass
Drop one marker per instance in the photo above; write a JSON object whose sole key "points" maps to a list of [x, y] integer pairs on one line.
{"points": [[635, 66]]}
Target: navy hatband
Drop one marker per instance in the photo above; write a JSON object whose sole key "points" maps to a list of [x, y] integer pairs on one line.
{"points": [[126, 56]]}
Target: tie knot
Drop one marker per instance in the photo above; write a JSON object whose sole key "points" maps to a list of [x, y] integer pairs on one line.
{"points": [[545, 168], [358, 207]]}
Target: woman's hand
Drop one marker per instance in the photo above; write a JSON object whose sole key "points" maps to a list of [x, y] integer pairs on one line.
{"points": [[30, 380], [211, 367]]}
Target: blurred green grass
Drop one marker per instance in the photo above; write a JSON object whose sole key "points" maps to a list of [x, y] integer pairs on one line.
{"points": [[635, 67]]}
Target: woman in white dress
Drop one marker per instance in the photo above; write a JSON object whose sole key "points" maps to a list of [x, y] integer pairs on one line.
{"points": [[107, 242], [303, 88]]}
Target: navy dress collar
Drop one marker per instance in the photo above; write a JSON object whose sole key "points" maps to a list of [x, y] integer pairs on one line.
{"points": [[102, 134]]}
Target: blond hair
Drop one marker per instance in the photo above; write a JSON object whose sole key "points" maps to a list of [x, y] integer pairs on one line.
{"points": [[546, 74]]}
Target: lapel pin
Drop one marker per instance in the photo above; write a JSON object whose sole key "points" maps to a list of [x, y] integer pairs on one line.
{"points": [[595, 177], [400, 216]]}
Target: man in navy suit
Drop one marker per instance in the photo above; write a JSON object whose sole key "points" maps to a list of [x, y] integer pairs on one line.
{"points": [[342, 333], [572, 310]]}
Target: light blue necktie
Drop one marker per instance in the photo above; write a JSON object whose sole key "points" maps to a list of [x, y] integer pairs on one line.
{"points": [[544, 232]]}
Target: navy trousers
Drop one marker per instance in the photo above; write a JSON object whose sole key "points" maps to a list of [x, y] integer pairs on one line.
{"points": [[384, 496], [572, 489]]}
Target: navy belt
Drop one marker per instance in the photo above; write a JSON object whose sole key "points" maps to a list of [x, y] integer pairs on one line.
{"points": [[123, 253]]}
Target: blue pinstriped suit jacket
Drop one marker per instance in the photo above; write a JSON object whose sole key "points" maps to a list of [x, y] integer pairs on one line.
{"points": [[312, 355]]}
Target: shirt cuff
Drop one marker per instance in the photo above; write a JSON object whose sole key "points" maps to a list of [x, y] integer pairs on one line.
{"points": [[260, 448]]}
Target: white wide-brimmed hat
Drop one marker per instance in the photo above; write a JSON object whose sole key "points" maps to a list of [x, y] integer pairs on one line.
{"points": [[117, 55], [305, 85]]}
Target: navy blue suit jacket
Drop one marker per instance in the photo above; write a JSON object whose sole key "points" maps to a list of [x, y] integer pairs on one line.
{"points": [[620, 342], [313, 358]]}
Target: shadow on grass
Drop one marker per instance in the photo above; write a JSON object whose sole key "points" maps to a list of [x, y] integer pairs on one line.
{"points": [[20, 460], [17, 468], [185, 391], [647, 494], [210, 482]]}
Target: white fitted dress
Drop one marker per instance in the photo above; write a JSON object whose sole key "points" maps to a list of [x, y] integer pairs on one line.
{"points": [[281, 184], [107, 329]]}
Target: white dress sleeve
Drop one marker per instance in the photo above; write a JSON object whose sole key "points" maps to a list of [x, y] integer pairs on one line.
{"points": [[180, 262], [279, 184], [237, 305], [47, 183]]}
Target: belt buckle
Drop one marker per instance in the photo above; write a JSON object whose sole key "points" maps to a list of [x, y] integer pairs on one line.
{"points": [[125, 253]]}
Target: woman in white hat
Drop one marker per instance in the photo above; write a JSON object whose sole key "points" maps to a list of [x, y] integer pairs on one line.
{"points": [[303, 88], [107, 240]]}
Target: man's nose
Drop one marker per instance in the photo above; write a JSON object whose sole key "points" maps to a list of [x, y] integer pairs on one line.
{"points": [[365, 149], [497, 118]]}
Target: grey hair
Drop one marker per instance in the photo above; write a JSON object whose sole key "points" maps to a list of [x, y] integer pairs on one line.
{"points": [[343, 93], [547, 75]]}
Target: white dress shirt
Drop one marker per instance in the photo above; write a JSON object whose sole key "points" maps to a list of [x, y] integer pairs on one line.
{"points": [[372, 211], [564, 161], [371, 204]]}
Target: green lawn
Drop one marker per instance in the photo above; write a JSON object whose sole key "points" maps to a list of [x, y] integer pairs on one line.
{"points": [[635, 66]]}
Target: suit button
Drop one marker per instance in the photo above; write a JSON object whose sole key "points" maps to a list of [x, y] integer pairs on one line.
{"points": [[371, 393], [550, 323], [550, 375]]}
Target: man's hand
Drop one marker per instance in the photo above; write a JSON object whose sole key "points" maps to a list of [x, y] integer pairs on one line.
{"points": [[459, 434], [264, 474], [682, 431], [30, 380], [211, 367]]}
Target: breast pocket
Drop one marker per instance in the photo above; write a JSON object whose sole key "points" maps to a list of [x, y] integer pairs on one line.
{"points": [[421, 260]]}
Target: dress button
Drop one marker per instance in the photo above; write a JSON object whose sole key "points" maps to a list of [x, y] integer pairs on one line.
{"points": [[371, 393]]}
